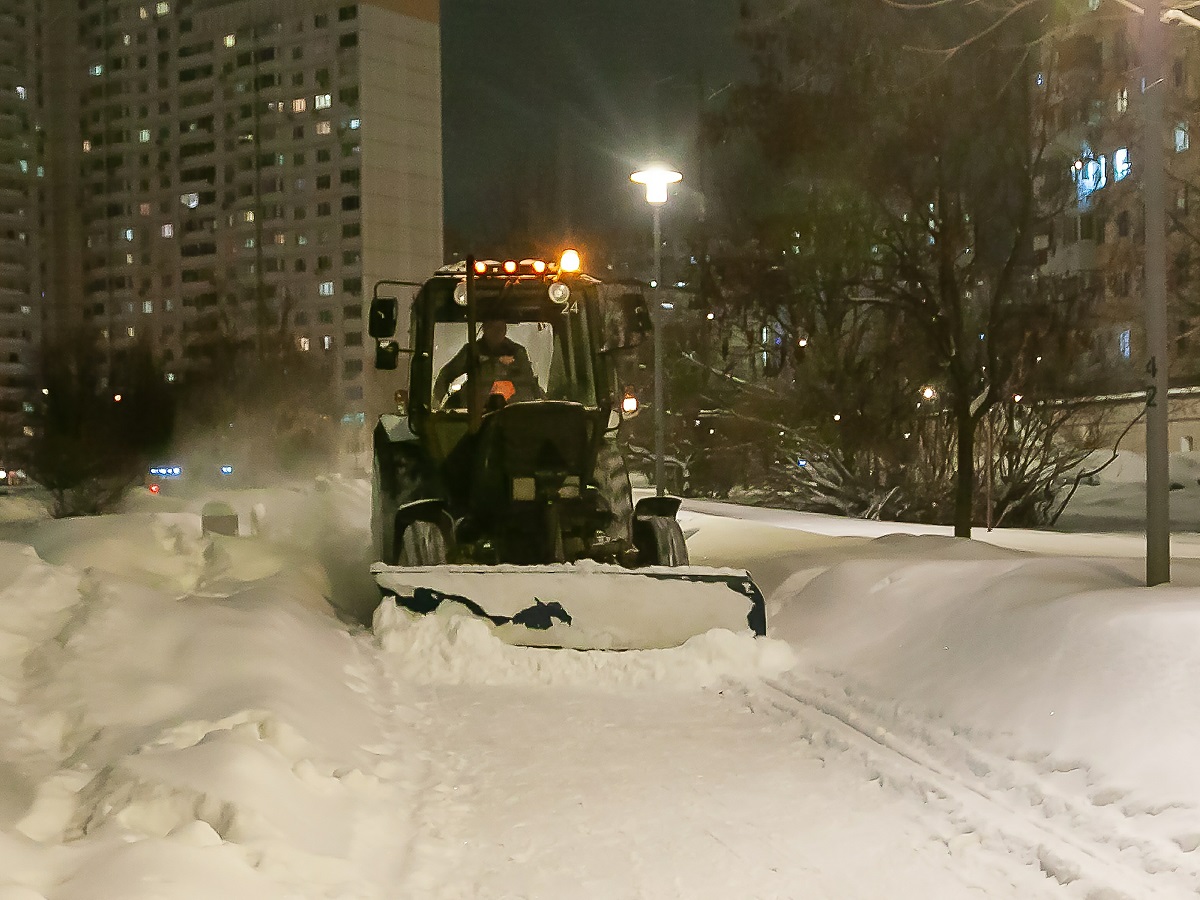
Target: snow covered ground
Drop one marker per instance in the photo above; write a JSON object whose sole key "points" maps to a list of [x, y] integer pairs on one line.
{"points": [[185, 716]]}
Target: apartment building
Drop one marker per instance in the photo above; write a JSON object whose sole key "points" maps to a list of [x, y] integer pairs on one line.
{"points": [[21, 261], [221, 170], [1091, 82]]}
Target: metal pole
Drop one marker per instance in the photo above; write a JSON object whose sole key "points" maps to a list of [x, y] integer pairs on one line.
{"points": [[659, 423], [991, 462], [1158, 527]]}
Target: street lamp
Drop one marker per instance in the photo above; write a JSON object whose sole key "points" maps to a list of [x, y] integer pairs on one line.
{"points": [[656, 179], [1158, 515]]}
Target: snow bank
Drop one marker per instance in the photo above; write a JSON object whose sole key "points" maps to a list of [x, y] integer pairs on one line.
{"points": [[1060, 660], [184, 718]]}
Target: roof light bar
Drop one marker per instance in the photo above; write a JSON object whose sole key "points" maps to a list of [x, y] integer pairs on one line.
{"points": [[568, 263]]}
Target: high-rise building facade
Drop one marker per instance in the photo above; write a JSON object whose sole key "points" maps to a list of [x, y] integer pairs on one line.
{"points": [[222, 170], [22, 265], [1092, 79]]}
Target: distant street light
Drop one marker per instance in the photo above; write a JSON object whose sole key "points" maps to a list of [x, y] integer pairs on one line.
{"points": [[656, 179]]}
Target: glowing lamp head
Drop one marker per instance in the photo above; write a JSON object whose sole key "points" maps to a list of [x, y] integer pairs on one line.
{"points": [[656, 179], [154, 488], [629, 404], [480, 267], [510, 267], [570, 261]]}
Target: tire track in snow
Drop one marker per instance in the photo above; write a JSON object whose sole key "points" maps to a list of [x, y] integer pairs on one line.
{"points": [[411, 838], [1095, 849]]}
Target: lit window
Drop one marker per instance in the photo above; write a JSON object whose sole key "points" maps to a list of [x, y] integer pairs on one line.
{"points": [[302, 239], [147, 306], [300, 104], [323, 128], [127, 234], [1125, 344], [249, 245], [26, 310], [191, 200], [168, 230], [280, 237], [131, 331], [327, 342], [304, 343], [1122, 100], [248, 216], [96, 70], [322, 101], [1182, 138], [41, 171], [144, 209], [87, 146], [326, 289], [170, 377], [230, 40], [355, 124], [126, 39], [162, 8], [143, 13], [129, 259], [1121, 164], [24, 164], [20, 92], [144, 136]]}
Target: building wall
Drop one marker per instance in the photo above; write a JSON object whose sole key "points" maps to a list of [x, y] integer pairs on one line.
{"points": [[244, 170], [400, 62], [21, 257], [1093, 82]]}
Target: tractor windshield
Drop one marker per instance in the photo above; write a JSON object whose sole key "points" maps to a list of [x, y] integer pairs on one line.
{"points": [[518, 362]]}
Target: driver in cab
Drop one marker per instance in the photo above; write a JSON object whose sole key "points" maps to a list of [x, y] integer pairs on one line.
{"points": [[504, 370]]}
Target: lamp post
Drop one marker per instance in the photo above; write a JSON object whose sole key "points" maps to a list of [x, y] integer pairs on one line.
{"points": [[1158, 529], [656, 179]]}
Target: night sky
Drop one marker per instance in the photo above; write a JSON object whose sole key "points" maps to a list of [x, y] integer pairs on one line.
{"points": [[541, 94]]}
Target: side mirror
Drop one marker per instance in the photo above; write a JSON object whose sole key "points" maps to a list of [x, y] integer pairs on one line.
{"points": [[387, 353], [381, 323]]}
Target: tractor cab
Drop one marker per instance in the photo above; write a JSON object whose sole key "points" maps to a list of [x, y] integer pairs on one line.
{"points": [[488, 335]]}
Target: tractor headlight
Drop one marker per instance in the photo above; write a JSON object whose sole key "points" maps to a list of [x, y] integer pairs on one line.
{"points": [[460, 293], [559, 292]]}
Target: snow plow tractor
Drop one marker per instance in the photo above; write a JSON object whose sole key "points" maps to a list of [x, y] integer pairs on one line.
{"points": [[499, 490]]}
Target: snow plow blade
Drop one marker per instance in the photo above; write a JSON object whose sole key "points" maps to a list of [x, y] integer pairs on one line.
{"points": [[584, 606]]}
